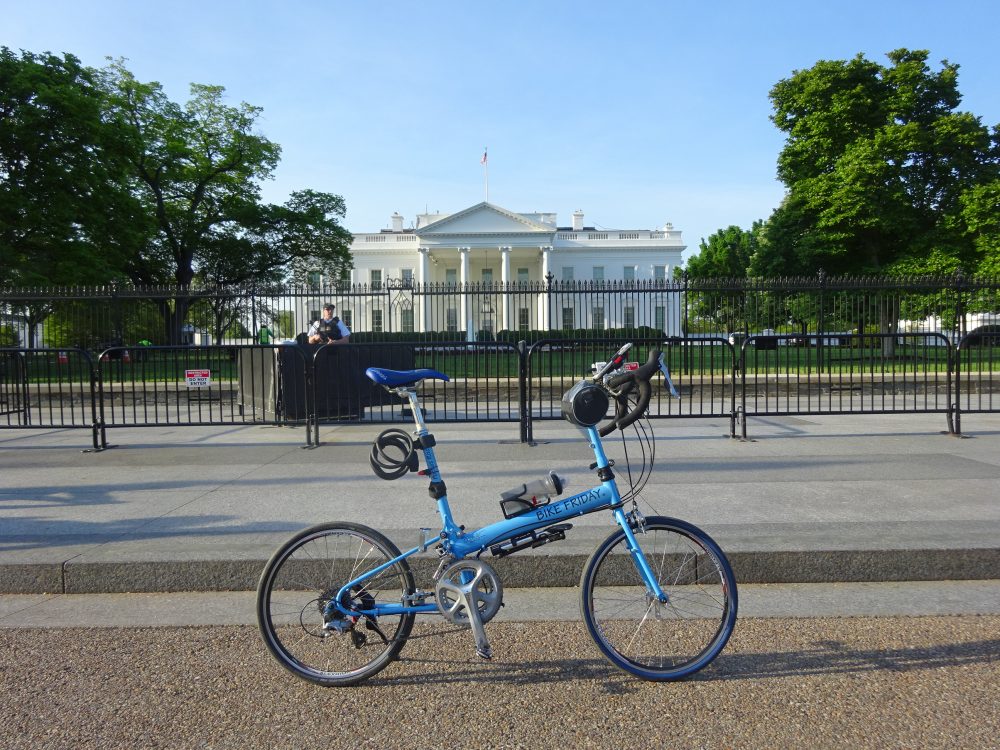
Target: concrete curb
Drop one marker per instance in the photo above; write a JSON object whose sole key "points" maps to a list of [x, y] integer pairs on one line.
{"points": [[524, 570]]}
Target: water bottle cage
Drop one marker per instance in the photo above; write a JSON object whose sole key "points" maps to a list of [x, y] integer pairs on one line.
{"points": [[517, 505]]}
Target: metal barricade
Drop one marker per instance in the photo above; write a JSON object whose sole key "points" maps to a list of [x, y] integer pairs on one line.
{"points": [[892, 373], [484, 382], [977, 383], [701, 369], [49, 388]]}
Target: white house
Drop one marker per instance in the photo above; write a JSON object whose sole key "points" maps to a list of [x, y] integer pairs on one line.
{"points": [[487, 244]]}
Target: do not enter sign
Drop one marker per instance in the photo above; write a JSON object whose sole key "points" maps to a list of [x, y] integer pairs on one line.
{"points": [[198, 378]]}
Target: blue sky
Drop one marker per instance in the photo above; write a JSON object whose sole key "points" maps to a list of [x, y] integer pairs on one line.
{"points": [[637, 113]]}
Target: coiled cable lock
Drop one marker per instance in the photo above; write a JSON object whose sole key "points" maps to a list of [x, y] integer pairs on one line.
{"points": [[393, 455]]}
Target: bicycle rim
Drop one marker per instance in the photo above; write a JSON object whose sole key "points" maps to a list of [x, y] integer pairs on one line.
{"points": [[302, 577], [636, 632]]}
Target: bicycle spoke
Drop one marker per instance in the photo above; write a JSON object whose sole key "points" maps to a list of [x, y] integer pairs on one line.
{"points": [[297, 586], [653, 639]]}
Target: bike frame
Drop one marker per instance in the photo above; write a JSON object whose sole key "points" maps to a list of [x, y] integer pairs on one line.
{"points": [[460, 544]]}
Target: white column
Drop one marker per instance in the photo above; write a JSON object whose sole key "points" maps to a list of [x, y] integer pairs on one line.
{"points": [[506, 300], [466, 307], [543, 302], [422, 280]]}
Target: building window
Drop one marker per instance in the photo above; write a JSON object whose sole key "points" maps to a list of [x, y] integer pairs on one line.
{"points": [[347, 317], [598, 319], [628, 273], [406, 319], [628, 319], [376, 279], [313, 278], [598, 273], [451, 320], [523, 319], [487, 275], [568, 319], [407, 274], [377, 321], [314, 315], [451, 276], [523, 277], [659, 273], [661, 317], [567, 273]]}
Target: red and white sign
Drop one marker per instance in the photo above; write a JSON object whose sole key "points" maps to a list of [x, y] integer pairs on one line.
{"points": [[198, 378]]}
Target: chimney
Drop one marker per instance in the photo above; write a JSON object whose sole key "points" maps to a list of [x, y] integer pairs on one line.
{"points": [[397, 222], [577, 220]]}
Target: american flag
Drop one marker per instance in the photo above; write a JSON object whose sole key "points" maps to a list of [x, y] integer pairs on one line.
{"points": [[483, 160]]}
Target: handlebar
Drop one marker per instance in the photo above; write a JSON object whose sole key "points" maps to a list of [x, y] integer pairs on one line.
{"points": [[621, 386]]}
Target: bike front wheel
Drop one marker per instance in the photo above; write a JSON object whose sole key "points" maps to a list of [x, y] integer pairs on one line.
{"points": [[637, 632], [305, 635]]}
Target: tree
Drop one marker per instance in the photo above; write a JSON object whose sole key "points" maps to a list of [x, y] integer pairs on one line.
{"points": [[876, 162], [193, 167], [727, 253], [980, 219], [197, 169], [65, 206]]}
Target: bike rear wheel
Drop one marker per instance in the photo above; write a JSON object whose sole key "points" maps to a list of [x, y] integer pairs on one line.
{"points": [[638, 633], [299, 581]]}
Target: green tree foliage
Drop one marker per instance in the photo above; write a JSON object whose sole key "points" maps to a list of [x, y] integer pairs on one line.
{"points": [[727, 253], [65, 210], [882, 170], [980, 219], [197, 169], [103, 178]]}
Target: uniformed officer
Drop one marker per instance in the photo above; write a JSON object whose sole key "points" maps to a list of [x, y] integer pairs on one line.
{"points": [[329, 329]]}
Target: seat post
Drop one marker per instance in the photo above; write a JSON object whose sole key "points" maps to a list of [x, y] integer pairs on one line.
{"points": [[418, 415]]}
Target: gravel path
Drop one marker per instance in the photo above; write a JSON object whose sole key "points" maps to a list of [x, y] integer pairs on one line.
{"points": [[924, 682]]}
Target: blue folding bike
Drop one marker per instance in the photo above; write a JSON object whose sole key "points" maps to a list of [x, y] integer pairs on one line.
{"points": [[337, 602]]}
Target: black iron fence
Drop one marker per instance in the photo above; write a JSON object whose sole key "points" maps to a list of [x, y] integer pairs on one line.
{"points": [[95, 319]]}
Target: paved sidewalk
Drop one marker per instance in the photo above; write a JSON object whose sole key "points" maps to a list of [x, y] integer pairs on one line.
{"points": [[551, 604], [830, 498]]}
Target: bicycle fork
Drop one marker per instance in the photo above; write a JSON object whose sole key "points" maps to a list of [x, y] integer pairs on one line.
{"points": [[649, 578]]}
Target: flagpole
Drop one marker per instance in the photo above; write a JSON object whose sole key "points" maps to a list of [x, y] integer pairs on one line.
{"points": [[486, 175]]}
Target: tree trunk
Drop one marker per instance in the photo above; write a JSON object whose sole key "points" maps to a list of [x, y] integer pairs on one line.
{"points": [[889, 324], [173, 319]]}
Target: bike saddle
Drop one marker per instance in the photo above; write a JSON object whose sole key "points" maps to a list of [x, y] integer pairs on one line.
{"points": [[397, 378]]}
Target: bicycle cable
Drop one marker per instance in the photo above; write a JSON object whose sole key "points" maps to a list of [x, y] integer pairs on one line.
{"points": [[393, 454], [647, 444]]}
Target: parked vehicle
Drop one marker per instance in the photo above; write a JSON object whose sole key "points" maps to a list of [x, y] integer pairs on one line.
{"points": [[988, 335]]}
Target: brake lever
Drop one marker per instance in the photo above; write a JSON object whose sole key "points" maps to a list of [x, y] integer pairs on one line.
{"points": [[613, 363], [666, 376]]}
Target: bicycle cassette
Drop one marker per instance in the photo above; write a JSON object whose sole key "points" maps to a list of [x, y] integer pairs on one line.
{"points": [[468, 583]]}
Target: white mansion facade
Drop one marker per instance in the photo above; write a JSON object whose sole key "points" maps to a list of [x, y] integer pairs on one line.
{"points": [[488, 247]]}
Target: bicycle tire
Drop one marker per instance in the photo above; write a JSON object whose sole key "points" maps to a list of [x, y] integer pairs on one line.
{"points": [[302, 576], [654, 641]]}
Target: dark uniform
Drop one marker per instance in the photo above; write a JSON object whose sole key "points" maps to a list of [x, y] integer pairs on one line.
{"points": [[329, 330]]}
